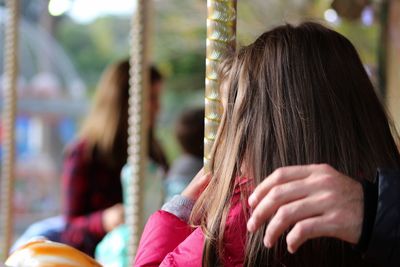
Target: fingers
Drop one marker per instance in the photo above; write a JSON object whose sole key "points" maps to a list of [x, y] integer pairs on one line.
{"points": [[307, 229], [202, 178], [276, 197], [205, 179], [317, 200], [200, 173], [202, 181], [197, 185], [199, 177], [291, 213], [279, 176]]}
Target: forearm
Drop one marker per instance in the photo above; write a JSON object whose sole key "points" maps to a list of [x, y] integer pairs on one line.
{"points": [[85, 225], [81, 217]]}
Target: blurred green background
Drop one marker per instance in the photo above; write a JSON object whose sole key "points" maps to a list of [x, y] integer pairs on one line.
{"points": [[179, 44]]}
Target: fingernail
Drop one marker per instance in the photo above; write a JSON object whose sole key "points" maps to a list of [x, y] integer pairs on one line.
{"points": [[251, 225], [252, 199], [267, 243]]}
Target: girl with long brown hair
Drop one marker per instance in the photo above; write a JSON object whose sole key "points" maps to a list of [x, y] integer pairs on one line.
{"points": [[297, 95]]}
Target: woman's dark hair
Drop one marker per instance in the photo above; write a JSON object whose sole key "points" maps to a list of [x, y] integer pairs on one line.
{"points": [[297, 95], [190, 131]]}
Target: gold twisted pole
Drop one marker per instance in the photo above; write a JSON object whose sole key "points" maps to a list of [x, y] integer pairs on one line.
{"points": [[8, 117], [221, 34], [138, 123]]}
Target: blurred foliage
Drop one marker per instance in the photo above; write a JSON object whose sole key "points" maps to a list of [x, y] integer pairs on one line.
{"points": [[93, 46], [179, 33], [364, 38]]}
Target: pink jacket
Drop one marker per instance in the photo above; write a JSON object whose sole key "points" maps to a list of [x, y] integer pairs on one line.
{"points": [[169, 241]]}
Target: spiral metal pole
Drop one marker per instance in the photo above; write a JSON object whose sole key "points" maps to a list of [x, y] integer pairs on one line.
{"points": [[8, 121], [221, 34], [138, 122]]}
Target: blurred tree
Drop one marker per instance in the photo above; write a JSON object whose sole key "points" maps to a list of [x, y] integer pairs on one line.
{"points": [[179, 33], [93, 46]]}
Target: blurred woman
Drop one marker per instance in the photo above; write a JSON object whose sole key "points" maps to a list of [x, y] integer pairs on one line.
{"points": [[91, 176]]}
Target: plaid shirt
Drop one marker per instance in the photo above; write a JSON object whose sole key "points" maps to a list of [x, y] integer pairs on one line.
{"points": [[89, 187]]}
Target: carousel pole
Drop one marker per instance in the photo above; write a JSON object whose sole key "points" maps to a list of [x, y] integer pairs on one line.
{"points": [[221, 34], [138, 123], [8, 121]]}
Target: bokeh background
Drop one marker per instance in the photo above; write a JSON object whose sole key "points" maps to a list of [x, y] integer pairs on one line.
{"points": [[66, 44]]}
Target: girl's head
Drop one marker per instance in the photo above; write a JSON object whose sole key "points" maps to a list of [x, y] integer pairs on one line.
{"points": [[297, 95], [106, 125]]}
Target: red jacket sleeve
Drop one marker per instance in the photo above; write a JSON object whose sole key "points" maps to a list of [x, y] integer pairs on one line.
{"points": [[168, 241], [83, 226]]}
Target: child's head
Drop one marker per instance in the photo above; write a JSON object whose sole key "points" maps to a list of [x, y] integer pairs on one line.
{"points": [[190, 131], [297, 95]]}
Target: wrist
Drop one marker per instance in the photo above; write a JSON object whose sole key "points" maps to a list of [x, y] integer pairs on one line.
{"points": [[180, 206]]}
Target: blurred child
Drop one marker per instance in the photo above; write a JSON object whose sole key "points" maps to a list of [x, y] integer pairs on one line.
{"points": [[189, 132]]}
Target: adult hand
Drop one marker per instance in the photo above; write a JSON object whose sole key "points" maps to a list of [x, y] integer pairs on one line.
{"points": [[196, 186], [316, 200], [113, 217]]}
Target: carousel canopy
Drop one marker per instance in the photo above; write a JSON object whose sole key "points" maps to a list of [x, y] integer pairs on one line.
{"points": [[45, 69]]}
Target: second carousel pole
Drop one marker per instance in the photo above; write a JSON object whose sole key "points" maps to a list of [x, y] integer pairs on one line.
{"points": [[138, 123], [8, 120], [221, 35]]}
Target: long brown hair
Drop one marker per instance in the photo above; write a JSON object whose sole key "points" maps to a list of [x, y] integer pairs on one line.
{"points": [[297, 95], [105, 128]]}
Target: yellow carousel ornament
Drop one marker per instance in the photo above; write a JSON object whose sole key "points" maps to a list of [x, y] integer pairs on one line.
{"points": [[43, 253]]}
